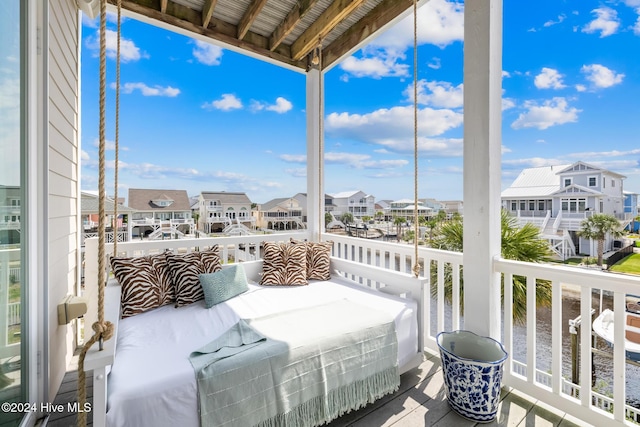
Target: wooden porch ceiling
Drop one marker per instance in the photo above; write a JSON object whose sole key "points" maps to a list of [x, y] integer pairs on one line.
{"points": [[284, 31]]}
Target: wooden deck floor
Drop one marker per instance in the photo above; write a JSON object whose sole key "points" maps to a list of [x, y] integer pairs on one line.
{"points": [[420, 401]]}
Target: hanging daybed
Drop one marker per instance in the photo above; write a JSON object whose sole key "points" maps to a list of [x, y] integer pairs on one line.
{"points": [[295, 338]]}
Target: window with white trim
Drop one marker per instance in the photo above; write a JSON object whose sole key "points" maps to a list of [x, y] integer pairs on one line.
{"points": [[592, 181]]}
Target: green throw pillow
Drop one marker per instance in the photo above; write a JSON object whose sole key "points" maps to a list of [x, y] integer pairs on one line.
{"points": [[223, 285]]}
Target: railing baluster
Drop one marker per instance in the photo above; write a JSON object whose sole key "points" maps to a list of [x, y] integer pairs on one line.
{"points": [[556, 336], [531, 328]]}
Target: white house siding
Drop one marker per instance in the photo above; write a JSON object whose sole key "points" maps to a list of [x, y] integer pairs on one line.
{"points": [[63, 93]]}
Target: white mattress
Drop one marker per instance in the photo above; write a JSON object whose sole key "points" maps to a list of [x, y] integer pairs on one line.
{"points": [[152, 382]]}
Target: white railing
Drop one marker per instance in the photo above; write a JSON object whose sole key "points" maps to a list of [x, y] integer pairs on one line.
{"points": [[557, 222], [521, 372], [13, 313], [123, 236], [550, 387]]}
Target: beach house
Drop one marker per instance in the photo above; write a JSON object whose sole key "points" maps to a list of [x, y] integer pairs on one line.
{"points": [[558, 198], [160, 213], [284, 213], [41, 159], [222, 210], [358, 203]]}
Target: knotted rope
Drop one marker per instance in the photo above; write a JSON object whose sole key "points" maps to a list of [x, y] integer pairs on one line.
{"points": [[102, 330], [416, 266]]}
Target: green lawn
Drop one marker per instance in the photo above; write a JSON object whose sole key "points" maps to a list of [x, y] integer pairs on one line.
{"points": [[630, 264]]}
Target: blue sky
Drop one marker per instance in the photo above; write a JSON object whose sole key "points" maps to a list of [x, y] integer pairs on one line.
{"points": [[200, 118]]}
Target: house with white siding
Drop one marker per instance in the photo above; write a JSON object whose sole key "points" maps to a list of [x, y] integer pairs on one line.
{"points": [[221, 209], [558, 198], [357, 203], [160, 213]]}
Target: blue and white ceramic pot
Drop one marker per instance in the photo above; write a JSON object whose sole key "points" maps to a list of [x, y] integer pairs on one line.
{"points": [[472, 370]]}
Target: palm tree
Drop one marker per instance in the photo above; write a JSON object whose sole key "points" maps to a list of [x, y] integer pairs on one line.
{"points": [[597, 227], [327, 218], [347, 218], [518, 243], [399, 222]]}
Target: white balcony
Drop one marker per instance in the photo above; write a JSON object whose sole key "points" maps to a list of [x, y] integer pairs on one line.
{"points": [[537, 363]]}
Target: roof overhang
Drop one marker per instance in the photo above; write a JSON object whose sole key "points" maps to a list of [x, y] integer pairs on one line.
{"points": [[288, 33]]}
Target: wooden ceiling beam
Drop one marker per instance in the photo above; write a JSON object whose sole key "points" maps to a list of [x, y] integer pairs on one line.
{"points": [[377, 18], [292, 19], [190, 20], [207, 12], [249, 17], [163, 6], [327, 21]]}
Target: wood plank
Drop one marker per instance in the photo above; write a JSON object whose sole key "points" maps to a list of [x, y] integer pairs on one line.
{"points": [[207, 12], [249, 17], [163, 6], [378, 17], [327, 21], [190, 20], [290, 22]]}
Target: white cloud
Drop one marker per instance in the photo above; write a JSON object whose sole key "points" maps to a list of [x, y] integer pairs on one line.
{"points": [[437, 94], [228, 102], [552, 112], [225, 180], [353, 160], [385, 64], [440, 22], [601, 76], [128, 50], [606, 22], [581, 88], [551, 22], [549, 79], [207, 54], [108, 145], [392, 129], [396, 122], [281, 106], [508, 103], [362, 161], [435, 63], [612, 153], [84, 155], [294, 158], [145, 90], [296, 172]]}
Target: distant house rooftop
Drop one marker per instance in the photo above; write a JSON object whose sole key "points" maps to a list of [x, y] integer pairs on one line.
{"points": [[226, 197], [154, 200]]}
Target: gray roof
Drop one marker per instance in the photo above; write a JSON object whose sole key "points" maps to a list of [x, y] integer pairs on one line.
{"points": [[535, 182], [141, 200], [226, 197], [89, 205]]}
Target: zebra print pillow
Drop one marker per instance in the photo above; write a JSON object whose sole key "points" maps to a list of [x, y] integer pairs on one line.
{"points": [[284, 264], [318, 259], [139, 281], [167, 293], [185, 269]]}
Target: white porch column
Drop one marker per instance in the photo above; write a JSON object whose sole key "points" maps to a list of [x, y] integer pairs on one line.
{"points": [[482, 145], [315, 152]]}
